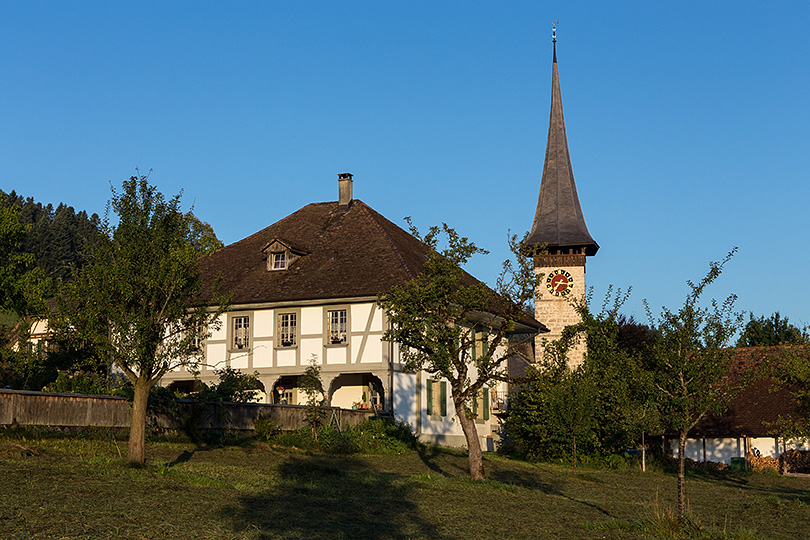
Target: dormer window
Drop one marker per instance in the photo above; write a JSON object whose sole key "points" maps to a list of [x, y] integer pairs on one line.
{"points": [[282, 254], [278, 261]]}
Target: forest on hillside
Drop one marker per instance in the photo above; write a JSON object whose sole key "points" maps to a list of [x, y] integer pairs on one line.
{"points": [[58, 238]]}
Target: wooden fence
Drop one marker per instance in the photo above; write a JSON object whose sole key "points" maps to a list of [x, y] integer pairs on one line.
{"points": [[25, 408]]}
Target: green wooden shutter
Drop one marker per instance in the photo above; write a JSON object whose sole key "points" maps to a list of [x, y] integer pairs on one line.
{"points": [[443, 403], [475, 404], [429, 393], [486, 392]]}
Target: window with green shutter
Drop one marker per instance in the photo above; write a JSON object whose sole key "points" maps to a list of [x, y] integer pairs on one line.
{"points": [[481, 404], [436, 394]]}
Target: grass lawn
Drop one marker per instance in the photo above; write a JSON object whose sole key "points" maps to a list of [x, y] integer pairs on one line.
{"points": [[73, 487]]}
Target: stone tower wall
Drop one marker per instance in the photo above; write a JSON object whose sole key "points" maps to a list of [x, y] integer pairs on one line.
{"points": [[557, 312]]}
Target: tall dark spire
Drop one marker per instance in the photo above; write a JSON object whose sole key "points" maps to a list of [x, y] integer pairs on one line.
{"points": [[558, 220]]}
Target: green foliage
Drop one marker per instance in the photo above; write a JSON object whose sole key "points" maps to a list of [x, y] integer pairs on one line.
{"points": [[691, 364], [202, 236], [266, 428], [432, 317], [82, 382], [310, 383], [791, 369], [22, 285], [233, 387], [58, 238], [373, 436], [24, 370], [604, 405], [690, 361], [138, 300], [531, 429], [772, 331], [381, 436]]}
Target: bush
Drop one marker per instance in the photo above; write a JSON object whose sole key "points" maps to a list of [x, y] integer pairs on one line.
{"points": [[379, 436], [266, 428], [374, 436], [81, 382]]}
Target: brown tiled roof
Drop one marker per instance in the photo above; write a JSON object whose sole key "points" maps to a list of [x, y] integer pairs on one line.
{"points": [[350, 253], [761, 403]]}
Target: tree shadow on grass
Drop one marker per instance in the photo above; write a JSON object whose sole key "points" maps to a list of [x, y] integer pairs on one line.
{"points": [[538, 481], [332, 498]]}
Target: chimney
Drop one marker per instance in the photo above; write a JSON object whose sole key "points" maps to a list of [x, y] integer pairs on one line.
{"points": [[344, 190]]}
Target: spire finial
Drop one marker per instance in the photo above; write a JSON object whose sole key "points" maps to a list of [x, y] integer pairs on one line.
{"points": [[554, 38]]}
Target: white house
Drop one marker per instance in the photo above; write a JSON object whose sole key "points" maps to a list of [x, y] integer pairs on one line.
{"points": [[304, 290]]}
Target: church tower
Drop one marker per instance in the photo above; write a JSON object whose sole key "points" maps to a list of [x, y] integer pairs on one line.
{"points": [[560, 227]]}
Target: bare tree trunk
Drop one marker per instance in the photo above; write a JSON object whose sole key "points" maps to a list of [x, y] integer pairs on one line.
{"points": [[575, 452], [137, 424], [643, 454], [681, 477], [473, 443]]}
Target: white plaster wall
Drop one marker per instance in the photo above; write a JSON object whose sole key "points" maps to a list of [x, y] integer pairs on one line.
{"points": [[404, 398], [311, 321], [239, 360], [215, 354], [336, 355], [311, 348], [372, 352], [345, 396], [221, 333], [360, 315], [767, 446], [285, 357], [39, 327], [263, 323], [263, 354]]}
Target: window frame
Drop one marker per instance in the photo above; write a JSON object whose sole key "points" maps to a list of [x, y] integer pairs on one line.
{"points": [[435, 398], [482, 400], [293, 316], [233, 332], [328, 327], [278, 260]]}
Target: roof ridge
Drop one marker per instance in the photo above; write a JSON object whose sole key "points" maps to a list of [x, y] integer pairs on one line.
{"points": [[368, 212]]}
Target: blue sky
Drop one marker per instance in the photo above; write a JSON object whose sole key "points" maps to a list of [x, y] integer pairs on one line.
{"points": [[688, 122]]}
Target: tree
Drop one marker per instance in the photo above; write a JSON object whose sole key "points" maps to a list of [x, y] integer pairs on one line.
{"points": [[603, 406], [772, 331], [22, 286], [312, 386], [139, 299], [691, 364], [432, 317], [618, 351]]}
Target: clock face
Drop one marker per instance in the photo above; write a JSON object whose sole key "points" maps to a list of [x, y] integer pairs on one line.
{"points": [[559, 282]]}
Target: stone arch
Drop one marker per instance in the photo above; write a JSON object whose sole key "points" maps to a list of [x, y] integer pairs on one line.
{"points": [[357, 390]]}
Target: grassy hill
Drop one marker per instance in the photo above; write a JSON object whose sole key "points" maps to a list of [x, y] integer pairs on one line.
{"points": [[81, 487]]}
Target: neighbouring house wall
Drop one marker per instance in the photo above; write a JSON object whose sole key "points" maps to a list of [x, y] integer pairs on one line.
{"points": [[721, 450]]}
